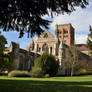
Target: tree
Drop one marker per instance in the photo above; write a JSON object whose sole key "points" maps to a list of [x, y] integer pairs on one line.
{"points": [[2, 43], [71, 57], [6, 60], [89, 41], [26, 15], [74, 61], [80, 65], [47, 63]]}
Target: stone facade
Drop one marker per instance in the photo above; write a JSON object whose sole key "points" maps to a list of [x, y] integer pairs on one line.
{"points": [[54, 44], [23, 59], [47, 42], [57, 43]]}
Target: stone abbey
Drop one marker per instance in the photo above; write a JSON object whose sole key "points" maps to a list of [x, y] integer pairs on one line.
{"points": [[54, 44], [63, 38]]}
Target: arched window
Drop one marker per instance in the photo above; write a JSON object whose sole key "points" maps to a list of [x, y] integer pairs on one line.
{"points": [[37, 47], [51, 50], [45, 35], [45, 48], [65, 31]]}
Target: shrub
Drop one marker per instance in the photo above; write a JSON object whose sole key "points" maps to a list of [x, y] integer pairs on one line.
{"points": [[81, 72], [46, 76], [89, 72], [47, 63], [36, 72], [3, 74], [19, 74]]}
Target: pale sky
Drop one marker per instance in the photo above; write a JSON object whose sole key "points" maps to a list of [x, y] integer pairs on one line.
{"points": [[80, 20]]}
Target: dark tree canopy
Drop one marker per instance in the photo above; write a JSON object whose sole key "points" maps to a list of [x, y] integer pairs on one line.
{"points": [[47, 63], [26, 15], [6, 60], [3, 42], [89, 40]]}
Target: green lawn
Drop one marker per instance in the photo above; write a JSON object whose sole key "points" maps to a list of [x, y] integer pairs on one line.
{"points": [[55, 84]]}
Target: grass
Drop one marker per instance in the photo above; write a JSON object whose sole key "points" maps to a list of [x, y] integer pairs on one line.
{"points": [[55, 84]]}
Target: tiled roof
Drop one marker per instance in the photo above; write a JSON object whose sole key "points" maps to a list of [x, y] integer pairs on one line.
{"points": [[82, 47]]}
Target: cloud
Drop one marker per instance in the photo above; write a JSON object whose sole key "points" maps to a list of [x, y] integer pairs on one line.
{"points": [[25, 43], [80, 20], [81, 39]]}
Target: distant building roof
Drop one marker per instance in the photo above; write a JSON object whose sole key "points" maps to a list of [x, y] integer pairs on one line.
{"points": [[82, 47]]}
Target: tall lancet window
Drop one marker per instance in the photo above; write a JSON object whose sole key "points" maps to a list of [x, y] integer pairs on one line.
{"points": [[45, 48], [45, 35]]}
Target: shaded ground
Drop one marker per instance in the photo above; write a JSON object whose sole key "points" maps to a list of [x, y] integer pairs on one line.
{"points": [[56, 84]]}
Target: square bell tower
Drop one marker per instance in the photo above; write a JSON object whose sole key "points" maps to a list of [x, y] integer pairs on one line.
{"points": [[65, 33]]}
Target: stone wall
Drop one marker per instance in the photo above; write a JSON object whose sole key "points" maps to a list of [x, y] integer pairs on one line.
{"points": [[23, 59]]}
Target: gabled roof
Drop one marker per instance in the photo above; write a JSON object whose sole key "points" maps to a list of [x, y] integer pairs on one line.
{"points": [[82, 47], [49, 35]]}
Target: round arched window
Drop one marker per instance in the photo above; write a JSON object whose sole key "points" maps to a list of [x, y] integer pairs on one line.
{"points": [[45, 48]]}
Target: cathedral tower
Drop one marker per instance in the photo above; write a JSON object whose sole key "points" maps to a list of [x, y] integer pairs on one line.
{"points": [[65, 33]]}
